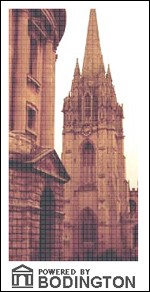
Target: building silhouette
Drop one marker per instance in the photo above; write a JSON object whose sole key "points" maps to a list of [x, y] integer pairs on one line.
{"points": [[100, 210], [36, 173]]}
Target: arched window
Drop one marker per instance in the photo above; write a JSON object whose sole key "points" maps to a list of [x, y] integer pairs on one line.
{"points": [[132, 206], [88, 160], [47, 224], [87, 106], [95, 109], [88, 154], [88, 226]]}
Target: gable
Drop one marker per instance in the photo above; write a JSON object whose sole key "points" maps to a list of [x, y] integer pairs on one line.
{"points": [[22, 268], [43, 160], [52, 166], [46, 165]]}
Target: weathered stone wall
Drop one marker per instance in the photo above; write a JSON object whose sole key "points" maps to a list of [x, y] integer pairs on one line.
{"points": [[24, 213], [26, 188]]}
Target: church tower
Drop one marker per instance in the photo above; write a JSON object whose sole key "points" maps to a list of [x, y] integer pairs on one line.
{"points": [[96, 197]]}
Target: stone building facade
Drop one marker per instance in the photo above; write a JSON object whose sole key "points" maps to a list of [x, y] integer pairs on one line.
{"points": [[100, 214], [36, 173]]}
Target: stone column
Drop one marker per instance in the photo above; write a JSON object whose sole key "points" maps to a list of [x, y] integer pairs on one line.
{"points": [[20, 72], [48, 97]]}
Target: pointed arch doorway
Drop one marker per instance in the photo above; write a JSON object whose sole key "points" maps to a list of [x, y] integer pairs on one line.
{"points": [[88, 234]]}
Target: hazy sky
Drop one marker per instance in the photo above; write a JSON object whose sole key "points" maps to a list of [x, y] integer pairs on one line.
{"points": [[123, 31]]}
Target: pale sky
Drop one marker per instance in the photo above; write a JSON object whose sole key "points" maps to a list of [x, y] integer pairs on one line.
{"points": [[123, 31]]}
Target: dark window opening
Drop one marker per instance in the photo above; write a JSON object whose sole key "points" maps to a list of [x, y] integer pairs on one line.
{"points": [[47, 225], [132, 206], [33, 58], [31, 118], [88, 154], [88, 160], [88, 226]]}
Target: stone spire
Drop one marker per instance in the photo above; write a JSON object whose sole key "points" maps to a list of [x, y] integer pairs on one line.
{"points": [[93, 59]]}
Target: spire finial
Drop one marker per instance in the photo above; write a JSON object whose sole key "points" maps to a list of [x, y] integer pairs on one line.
{"points": [[93, 59]]}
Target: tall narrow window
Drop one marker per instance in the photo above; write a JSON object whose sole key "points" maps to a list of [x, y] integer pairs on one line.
{"points": [[95, 109], [33, 58], [31, 118], [87, 106], [88, 226], [88, 160], [47, 225]]}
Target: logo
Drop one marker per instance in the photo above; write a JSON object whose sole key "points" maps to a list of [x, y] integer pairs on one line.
{"points": [[22, 277]]}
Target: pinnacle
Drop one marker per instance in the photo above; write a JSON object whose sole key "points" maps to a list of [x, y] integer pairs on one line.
{"points": [[77, 69], [108, 74]]}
